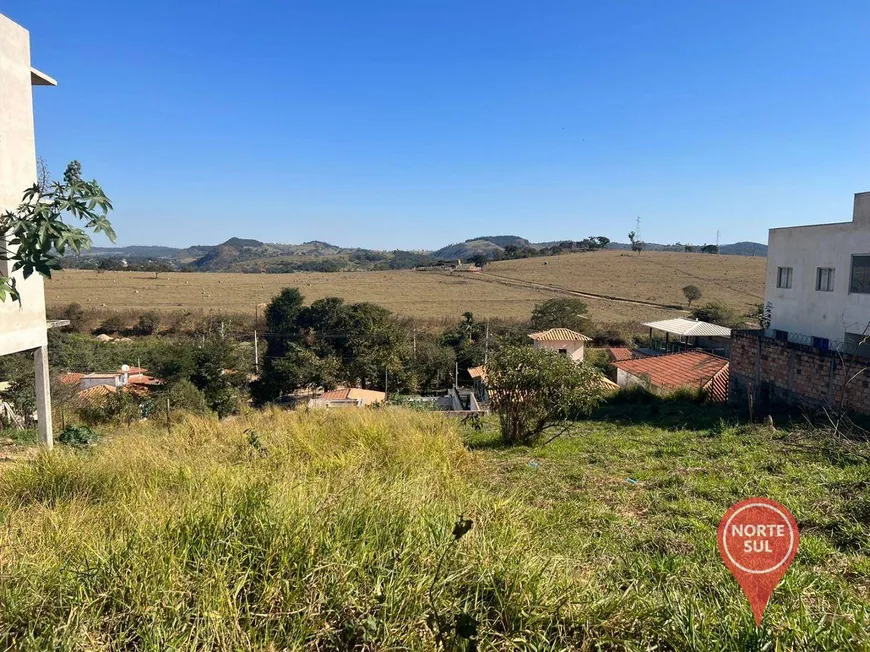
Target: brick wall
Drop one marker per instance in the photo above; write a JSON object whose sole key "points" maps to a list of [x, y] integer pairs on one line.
{"points": [[771, 370]]}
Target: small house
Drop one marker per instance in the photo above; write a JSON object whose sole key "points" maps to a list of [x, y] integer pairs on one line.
{"points": [[562, 340]]}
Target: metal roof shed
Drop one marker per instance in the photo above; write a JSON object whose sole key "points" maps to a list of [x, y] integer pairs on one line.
{"points": [[690, 334]]}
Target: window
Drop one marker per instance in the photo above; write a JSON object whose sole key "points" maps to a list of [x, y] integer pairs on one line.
{"points": [[783, 277], [860, 275], [563, 351], [858, 344], [825, 279]]}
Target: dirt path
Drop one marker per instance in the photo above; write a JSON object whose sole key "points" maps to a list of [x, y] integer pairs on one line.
{"points": [[488, 277]]}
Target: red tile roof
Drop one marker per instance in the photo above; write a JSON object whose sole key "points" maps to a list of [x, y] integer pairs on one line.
{"points": [[691, 369], [618, 354], [72, 378], [367, 395]]}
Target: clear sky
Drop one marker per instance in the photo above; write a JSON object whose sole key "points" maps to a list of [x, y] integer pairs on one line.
{"points": [[413, 124]]}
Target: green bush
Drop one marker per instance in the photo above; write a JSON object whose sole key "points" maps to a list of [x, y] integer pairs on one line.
{"points": [[149, 323], [78, 436], [536, 390], [111, 325]]}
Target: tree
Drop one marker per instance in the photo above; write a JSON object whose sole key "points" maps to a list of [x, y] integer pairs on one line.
{"points": [[478, 259], [219, 373], [282, 328], [601, 241], [35, 236], [709, 249], [536, 390], [560, 313], [715, 312], [692, 293], [636, 243], [688, 248]]}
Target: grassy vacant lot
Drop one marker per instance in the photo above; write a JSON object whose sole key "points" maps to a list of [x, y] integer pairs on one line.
{"points": [[508, 289], [324, 531]]}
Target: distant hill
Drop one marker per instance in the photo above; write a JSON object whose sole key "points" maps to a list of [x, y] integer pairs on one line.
{"points": [[744, 249], [136, 251], [736, 249], [248, 255], [487, 245]]}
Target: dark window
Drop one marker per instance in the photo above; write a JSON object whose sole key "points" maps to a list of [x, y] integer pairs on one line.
{"points": [[825, 279], [563, 351], [860, 275], [783, 277]]}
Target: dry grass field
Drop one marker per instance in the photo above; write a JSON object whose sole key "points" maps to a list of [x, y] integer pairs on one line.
{"points": [[508, 289], [658, 277]]}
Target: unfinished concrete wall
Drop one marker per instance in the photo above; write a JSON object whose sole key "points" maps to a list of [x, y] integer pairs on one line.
{"points": [[22, 327], [775, 371]]}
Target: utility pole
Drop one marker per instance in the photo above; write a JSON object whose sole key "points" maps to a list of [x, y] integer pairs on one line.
{"points": [[415, 344], [486, 345], [256, 354], [456, 376]]}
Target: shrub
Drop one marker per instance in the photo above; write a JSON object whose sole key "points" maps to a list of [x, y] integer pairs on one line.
{"points": [[76, 316], [535, 390], [715, 312], [112, 324], [149, 323], [78, 436], [182, 395]]}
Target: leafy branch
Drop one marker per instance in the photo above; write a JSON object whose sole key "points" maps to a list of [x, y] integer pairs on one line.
{"points": [[35, 236]]}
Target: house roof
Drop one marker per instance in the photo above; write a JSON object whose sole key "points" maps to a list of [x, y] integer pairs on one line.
{"points": [[344, 393], [690, 327], [72, 378], [97, 391], [142, 379], [689, 369], [560, 335], [619, 353], [606, 384], [100, 375], [477, 372]]}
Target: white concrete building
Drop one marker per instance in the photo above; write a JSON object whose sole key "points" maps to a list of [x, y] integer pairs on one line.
{"points": [[818, 281], [22, 326], [562, 340]]}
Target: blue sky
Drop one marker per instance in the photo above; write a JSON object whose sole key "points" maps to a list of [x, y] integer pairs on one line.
{"points": [[413, 124]]}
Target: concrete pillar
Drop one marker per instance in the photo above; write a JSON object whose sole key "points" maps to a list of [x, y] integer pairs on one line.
{"points": [[43, 396]]}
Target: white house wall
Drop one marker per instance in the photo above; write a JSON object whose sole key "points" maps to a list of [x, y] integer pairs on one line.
{"points": [[575, 349], [21, 327], [802, 309]]}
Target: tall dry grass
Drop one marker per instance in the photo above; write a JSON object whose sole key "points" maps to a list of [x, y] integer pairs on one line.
{"points": [[274, 531]]}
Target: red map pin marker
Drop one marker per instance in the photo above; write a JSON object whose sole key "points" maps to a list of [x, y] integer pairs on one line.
{"points": [[758, 538]]}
